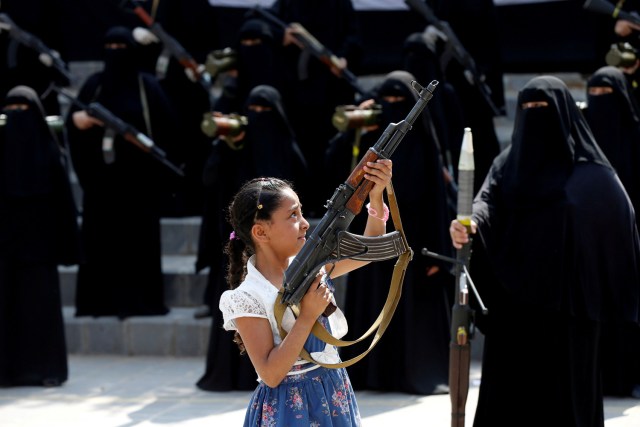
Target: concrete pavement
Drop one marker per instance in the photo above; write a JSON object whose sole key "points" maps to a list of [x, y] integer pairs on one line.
{"points": [[141, 391]]}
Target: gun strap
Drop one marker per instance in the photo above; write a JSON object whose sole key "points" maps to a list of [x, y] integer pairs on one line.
{"points": [[145, 106], [380, 325]]}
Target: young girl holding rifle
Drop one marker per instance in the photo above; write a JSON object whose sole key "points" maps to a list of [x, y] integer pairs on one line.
{"points": [[269, 230]]}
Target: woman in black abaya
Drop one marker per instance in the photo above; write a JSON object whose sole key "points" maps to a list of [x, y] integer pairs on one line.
{"points": [[268, 148], [561, 238], [614, 118], [258, 63], [122, 188], [445, 107], [38, 232], [413, 355], [476, 25], [312, 89]]}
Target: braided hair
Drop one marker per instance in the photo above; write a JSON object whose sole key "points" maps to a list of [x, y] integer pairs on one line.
{"points": [[255, 201]]}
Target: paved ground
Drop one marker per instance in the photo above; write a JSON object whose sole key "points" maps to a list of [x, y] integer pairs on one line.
{"points": [[120, 391]]}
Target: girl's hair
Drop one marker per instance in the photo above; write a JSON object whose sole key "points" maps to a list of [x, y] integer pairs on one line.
{"points": [[255, 201]]}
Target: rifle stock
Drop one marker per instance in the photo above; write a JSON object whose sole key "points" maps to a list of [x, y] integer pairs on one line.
{"points": [[344, 205]]}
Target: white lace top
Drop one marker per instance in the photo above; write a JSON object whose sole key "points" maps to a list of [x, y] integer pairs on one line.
{"points": [[256, 296]]}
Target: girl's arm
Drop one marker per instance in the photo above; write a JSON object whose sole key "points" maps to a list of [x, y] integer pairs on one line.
{"points": [[380, 173], [273, 362]]}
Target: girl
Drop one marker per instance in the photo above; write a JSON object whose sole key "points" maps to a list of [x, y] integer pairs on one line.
{"points": [[266, 216]]}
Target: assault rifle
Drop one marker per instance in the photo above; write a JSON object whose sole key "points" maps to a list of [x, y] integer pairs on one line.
{"points": [[457, 50], [330, 242], [312, 46], [194, 71], [48, 56], [120, 127]]}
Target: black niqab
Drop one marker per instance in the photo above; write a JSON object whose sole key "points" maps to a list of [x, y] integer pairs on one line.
{"points": [[543, 209], [120, 76], [271, 139], [614, 119], [30, 147], [546, 142]]}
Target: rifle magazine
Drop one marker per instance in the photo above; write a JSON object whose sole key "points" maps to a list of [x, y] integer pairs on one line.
{"points": [[365, 248]]}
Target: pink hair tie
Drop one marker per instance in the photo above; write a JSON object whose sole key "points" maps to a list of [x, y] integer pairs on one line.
{"points": [[374, 213], [233, 236]]}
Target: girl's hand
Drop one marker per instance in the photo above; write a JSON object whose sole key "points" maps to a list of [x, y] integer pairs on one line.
{"points": [[380, 173], [316, 300]]}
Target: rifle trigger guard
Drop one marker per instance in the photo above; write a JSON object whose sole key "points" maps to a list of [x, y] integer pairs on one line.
{"points": [[368, 248]]}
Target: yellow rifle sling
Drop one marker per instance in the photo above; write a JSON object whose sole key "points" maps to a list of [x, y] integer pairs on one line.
{"points": [[384, 318]]}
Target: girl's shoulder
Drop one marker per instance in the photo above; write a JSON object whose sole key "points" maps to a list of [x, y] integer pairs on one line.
{"points": [[250, 299]]}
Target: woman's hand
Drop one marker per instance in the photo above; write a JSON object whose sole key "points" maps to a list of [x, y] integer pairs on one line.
{"points": [[83, 121], [624, 28], [459, 233]]}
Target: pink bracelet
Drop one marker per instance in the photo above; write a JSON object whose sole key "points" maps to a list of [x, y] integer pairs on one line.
{"points": [[374, 213]]}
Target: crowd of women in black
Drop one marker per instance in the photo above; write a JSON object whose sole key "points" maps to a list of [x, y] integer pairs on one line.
{"points": [[556, 259]]}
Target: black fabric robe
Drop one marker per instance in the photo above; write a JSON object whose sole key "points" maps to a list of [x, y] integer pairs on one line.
{"points": [[268, 148], [189, 101], [259, 62], [615, 121], [190, 23], [445, 108], [122, 272], [413, 355], [562, 245], [38, 232], [475, 24], [311, 99]]}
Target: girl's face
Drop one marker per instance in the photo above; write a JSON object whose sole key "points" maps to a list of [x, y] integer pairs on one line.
{"points": [[287, 228]]}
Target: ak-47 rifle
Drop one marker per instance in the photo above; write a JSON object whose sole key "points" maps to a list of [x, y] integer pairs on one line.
{"points": [[120, 127], [48, 56], [194, 71], [457, 50], [462, 316], [311, 45], [329, 241]]}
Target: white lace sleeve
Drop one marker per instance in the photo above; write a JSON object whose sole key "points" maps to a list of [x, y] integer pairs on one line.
{"points": [[237, 303]]}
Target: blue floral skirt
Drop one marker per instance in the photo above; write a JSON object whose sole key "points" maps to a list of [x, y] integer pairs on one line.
{"points": [[321, 397]]}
